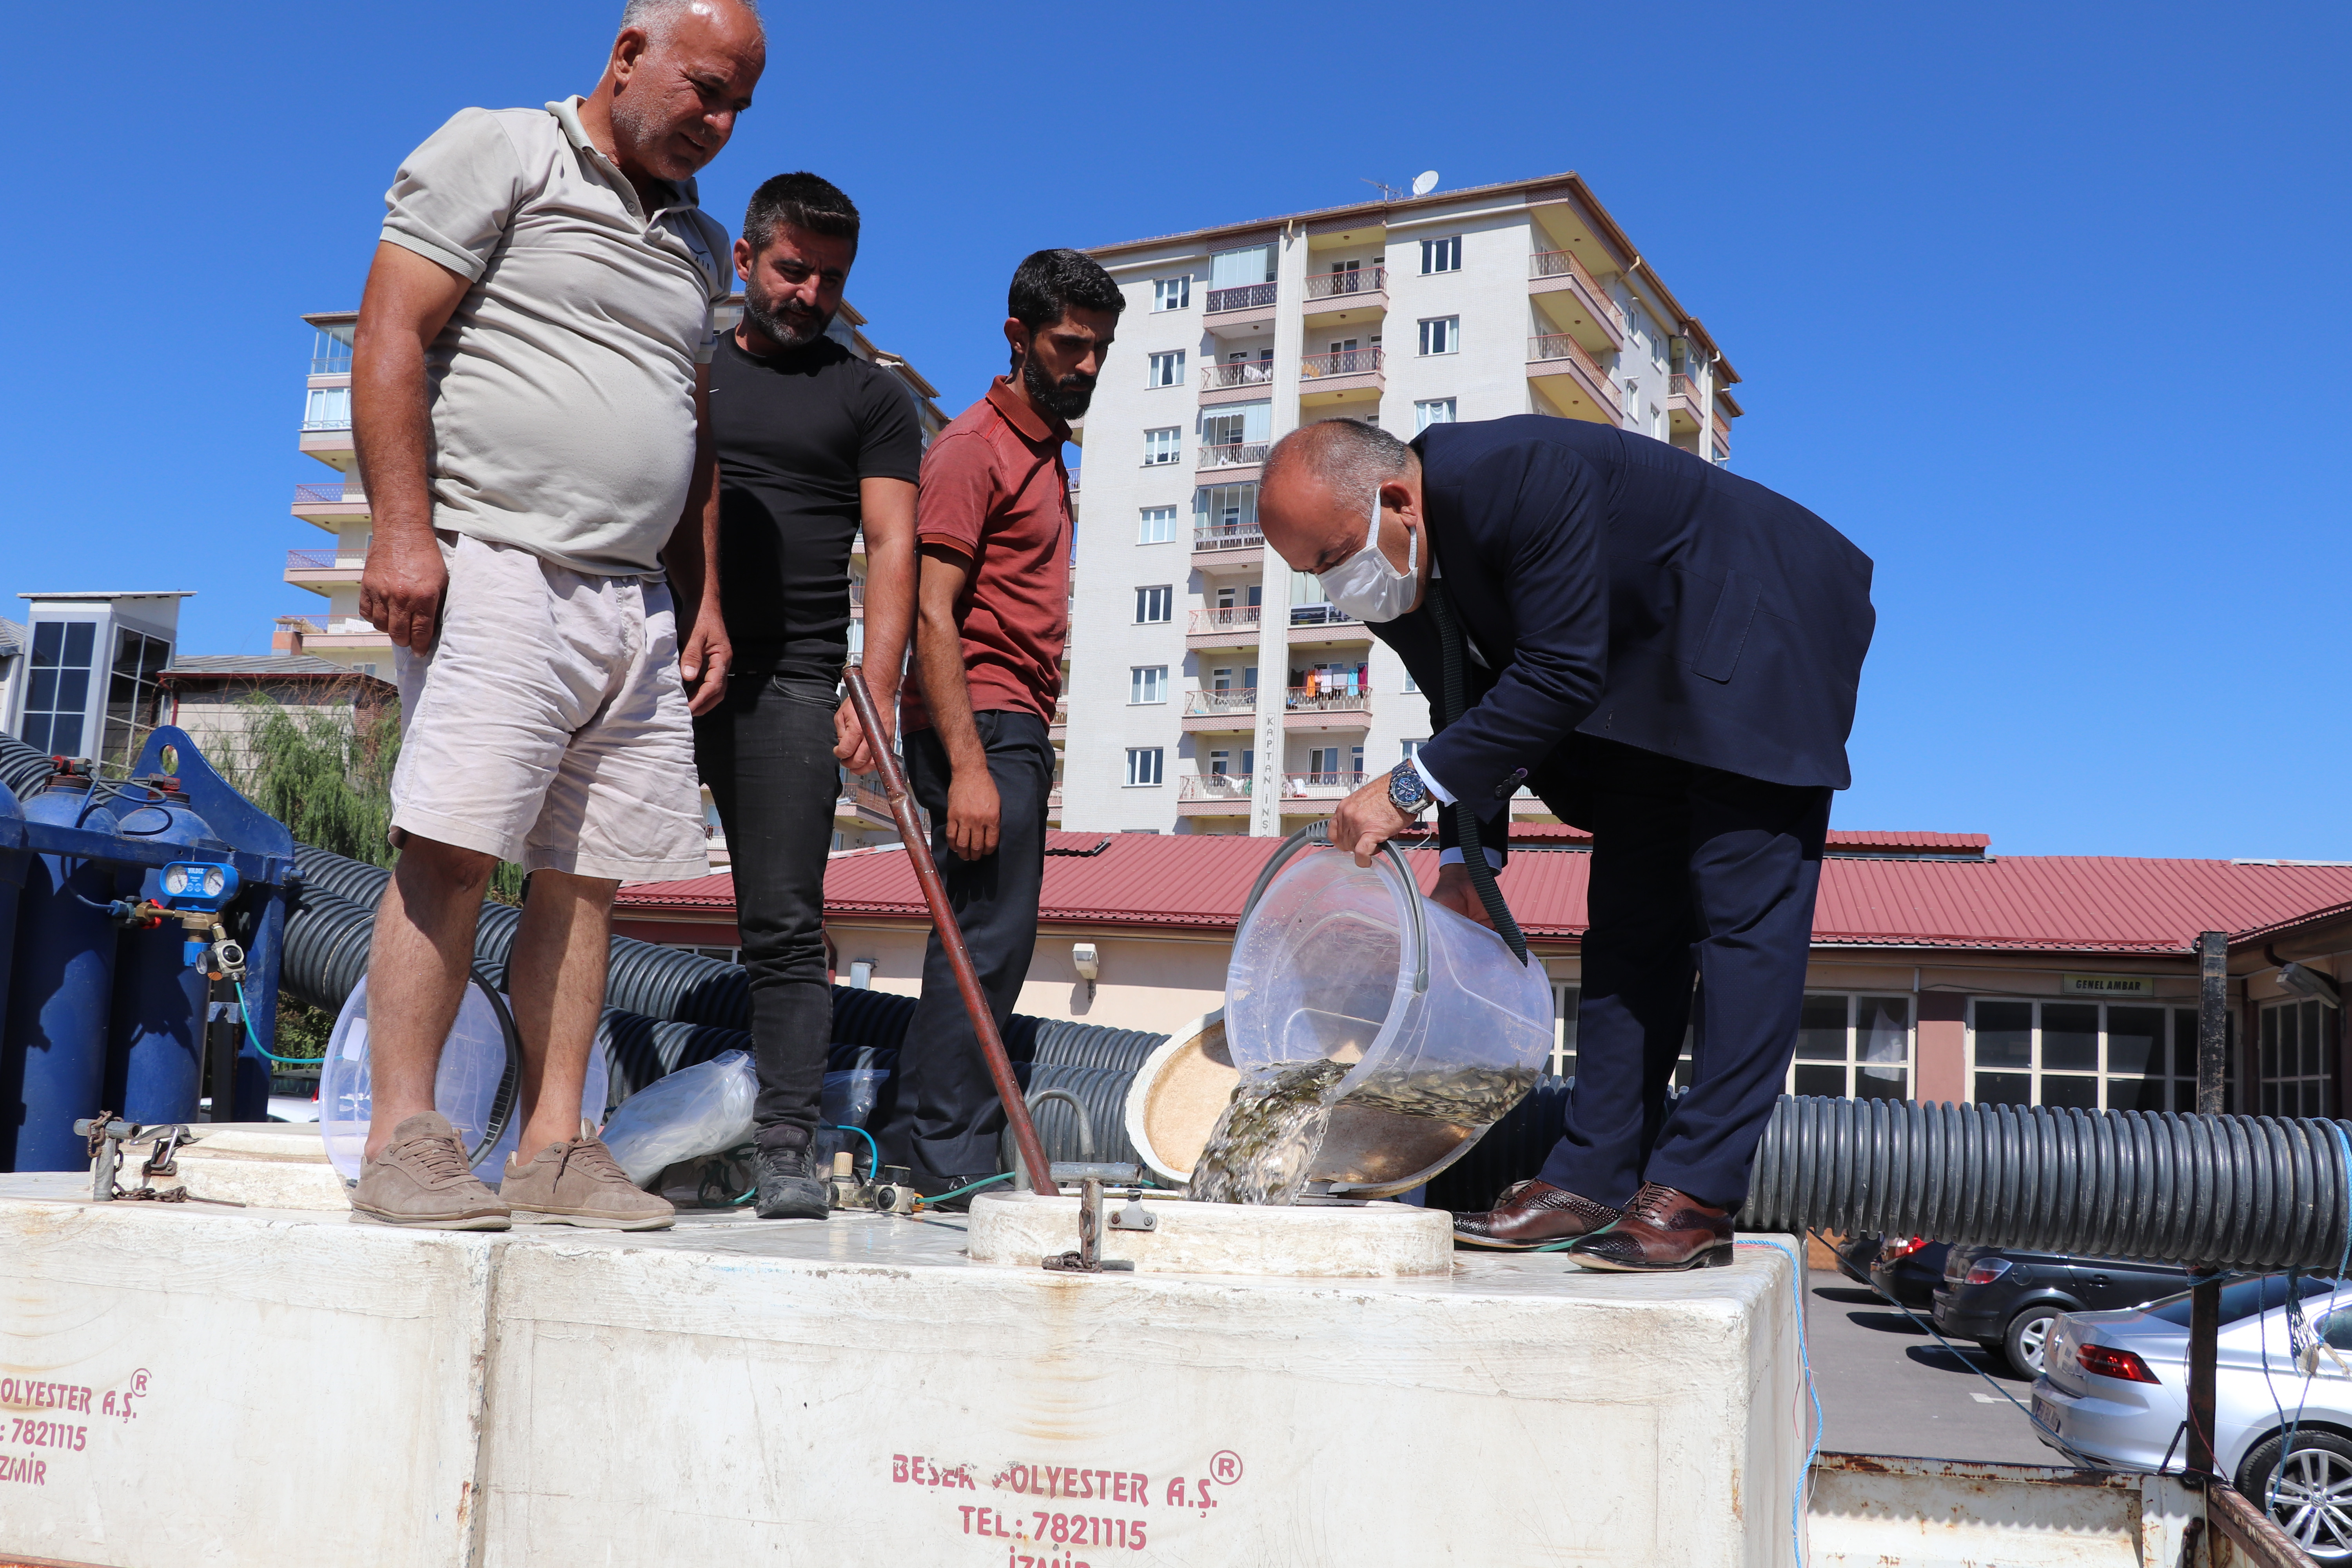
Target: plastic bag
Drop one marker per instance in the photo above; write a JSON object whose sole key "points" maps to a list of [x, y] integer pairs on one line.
{"points": [[695, 1111], [850, 1097]]}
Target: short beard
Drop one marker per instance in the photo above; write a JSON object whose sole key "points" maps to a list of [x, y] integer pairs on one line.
{"points": [[783, 329], [1067, 400]]}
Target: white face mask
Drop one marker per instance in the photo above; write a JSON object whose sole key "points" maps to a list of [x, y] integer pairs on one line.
{"points": [[1365, 585]]}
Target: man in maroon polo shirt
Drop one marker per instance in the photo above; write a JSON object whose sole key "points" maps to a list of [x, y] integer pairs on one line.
{"points": [[992, 585]]}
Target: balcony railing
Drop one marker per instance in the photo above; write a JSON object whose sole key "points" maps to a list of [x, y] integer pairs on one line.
{"points": [[1299, 699], [1564, 264], [1227, 536], [1240, 455], [1561, 346], [1209, 704], [1680, 385], [1213, 786], [1324, 786], [322, 559], [1246, 296], [1321, 615], [1340, 361], [1237, 373], [864, 790], [1227, 618], [1340, 285], [332, 422], [334, 492], [332, 364]]}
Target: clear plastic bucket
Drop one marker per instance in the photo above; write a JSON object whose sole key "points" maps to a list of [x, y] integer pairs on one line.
{"points": [[1441, 1027], [474, 1066]]}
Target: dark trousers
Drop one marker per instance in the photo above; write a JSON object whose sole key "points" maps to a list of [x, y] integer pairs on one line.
{"points": [[948, 1118], [1695, 871], [766, 753]]}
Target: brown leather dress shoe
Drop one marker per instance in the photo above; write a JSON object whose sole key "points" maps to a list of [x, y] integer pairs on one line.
{"points": [[1660, 1229], [1529, 1214]]}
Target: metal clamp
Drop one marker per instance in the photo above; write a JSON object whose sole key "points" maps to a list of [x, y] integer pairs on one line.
{"points": [[1319, 833], [1089, 1258]]}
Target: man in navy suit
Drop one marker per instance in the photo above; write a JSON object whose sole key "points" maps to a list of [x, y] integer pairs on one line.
{"points": [[1667, 655]]}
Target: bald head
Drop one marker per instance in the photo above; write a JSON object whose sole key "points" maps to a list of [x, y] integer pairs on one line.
{"points": [[1315, 501], [680, 73]]}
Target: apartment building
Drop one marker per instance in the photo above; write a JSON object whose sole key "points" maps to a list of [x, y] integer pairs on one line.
{"points": [[339, 508], [1214, 689]]}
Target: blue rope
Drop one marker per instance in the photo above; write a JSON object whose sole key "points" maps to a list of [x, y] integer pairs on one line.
{"points": [[1805, 1356]]}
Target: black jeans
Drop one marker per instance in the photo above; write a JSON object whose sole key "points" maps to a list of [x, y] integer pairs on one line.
{"points": [[948, 1118], [767, 754], [1695, 870]]}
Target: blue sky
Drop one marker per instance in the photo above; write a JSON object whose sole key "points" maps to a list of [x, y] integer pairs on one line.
{"points": [[2042, 305]]}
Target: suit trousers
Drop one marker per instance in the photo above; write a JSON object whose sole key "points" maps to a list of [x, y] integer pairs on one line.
{"points": [[948, 1118], [1696, 872], [766, 753]]}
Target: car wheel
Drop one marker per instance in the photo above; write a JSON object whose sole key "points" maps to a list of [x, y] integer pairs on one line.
{"points": [[2028, 1332], [2310, 1495]]}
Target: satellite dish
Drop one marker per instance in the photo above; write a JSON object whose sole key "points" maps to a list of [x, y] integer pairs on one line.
{"points": [[1424, 182]]}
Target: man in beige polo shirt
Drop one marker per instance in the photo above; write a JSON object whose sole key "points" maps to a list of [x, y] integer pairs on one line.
{"points": [[528, 398]]}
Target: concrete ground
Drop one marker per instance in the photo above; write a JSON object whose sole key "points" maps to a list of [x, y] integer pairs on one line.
{"points": [[1887, 1387]]}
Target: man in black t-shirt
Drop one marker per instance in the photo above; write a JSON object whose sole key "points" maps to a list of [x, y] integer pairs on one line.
{"points": [[814, 443]]}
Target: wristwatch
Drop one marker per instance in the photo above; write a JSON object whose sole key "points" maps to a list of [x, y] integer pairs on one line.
{"points": [[1408, 791]]}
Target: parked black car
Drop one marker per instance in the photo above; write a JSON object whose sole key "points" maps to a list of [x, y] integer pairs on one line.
{"points": [[2005, 1299], [1909, 1270]]}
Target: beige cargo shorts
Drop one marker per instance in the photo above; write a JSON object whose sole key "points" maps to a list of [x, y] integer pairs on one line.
{"points": [[547, 725]]}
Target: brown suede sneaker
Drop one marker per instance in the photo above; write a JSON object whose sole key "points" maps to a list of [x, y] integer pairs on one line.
{"points": [[421, 1179], [580, 1183]]}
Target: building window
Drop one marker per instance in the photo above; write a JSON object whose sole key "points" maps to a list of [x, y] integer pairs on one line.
{"points": [[2296, 1076], [1153, 606], [2090, 1054], [1157, 525], [1441, 336], [57, 694], [1147, 683], [328, 408], [1226, 512], [1411, 748], [1852, 1046], [1564, 999], [134, 694], [1335, 765], [1165, 369], [1172, 293], [1410, 683], [1163, 446], [1435, 411], [1143, 765], [1441, 255]]}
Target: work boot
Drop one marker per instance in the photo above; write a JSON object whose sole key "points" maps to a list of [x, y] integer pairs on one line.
{"points": [[1660, 1229], [789, 1186], [578, 1181], [1529, 1214], [421, 1179]]}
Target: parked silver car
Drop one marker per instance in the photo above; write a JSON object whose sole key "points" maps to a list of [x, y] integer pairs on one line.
{"points": [[2115, 1388]]}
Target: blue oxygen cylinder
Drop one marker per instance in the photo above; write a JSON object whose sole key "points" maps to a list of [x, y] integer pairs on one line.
{"points": [[11, 884], [53, 1050], [155, 1046]]}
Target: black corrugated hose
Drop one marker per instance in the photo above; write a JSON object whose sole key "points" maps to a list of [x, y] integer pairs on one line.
{"points": [[23, 770]]}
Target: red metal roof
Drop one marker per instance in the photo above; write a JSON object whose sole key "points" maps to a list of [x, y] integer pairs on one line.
{"points": [[2065, 903], [1870, 839]]}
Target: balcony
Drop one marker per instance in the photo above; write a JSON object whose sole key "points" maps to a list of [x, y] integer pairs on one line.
{"points": [[1059, 727], [1227, 546], [1321, 786], [1569, 376], [320, 568], [1340, 374], [1219, 711], [1237, 454], [1577, 299], [1228, 795], [1246, 297], [1236, 380], [1304, 709], [861, 800], [1340, 296], [1229, 626], [351, 632]]}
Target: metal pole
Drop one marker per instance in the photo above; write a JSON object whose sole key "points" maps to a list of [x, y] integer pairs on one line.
{"points": [[943, 920], [2205, 1296]]}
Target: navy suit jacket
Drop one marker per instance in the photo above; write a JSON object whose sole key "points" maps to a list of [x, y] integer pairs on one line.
{"points": [[1621, 587]]}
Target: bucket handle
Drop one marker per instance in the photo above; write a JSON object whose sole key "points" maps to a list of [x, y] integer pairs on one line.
{"points": [[1319, 833]]}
